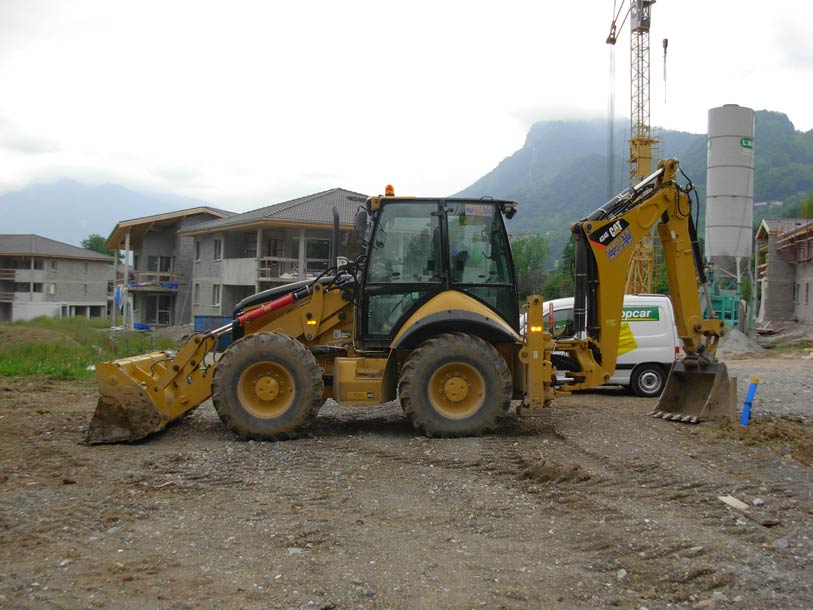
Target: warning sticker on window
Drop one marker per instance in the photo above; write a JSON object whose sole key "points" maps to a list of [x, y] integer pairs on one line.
{"points": [[474, 209]]}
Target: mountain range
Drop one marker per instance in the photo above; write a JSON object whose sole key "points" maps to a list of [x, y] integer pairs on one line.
{"points": [[561, 173], [70, 211]]}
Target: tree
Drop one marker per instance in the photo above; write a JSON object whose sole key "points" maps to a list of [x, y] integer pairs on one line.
{"points": [[806, 208], [560, 283], [95, 242], [530, 253]]}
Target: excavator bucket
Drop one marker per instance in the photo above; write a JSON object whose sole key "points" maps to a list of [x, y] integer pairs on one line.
{"points": [[125, 411], [694, 394]]}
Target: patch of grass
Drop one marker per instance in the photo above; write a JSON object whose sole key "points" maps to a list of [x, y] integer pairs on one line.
{"points": [[69, 346], [805, 344]]}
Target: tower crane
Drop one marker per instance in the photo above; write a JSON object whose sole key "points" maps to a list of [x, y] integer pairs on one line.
{"points": [[641, 142]]}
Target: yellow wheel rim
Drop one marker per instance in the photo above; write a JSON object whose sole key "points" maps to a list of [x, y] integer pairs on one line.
{"points": [[266, 390], [457, 390]]}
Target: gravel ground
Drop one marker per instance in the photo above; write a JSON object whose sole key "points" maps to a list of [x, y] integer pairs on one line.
{"points": [[613, 510]]}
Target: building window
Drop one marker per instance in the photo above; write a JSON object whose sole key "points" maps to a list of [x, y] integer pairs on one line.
{"points": [[39, 264], [37, 287], [53, 265], [196, 295], [52, 288], [197, 250], [218, 250], [797, 293], [86, 268], [22, 287], [807, 293], [84, 290], [216, 294], [161, 264], [158, 309]]}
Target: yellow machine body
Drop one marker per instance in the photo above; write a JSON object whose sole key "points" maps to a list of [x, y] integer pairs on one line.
{"points": [[320, 327]]}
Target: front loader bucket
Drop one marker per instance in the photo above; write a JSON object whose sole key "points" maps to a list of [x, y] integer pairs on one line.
{"points": [[125, 411], [694, 394]]}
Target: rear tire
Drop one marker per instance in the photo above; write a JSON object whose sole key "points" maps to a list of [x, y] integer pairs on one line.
{"points": [[267, 387], [455, 385], [648, 380]]}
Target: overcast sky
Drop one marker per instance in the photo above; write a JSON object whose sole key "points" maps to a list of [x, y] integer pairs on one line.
{"points": [[244, 104]]}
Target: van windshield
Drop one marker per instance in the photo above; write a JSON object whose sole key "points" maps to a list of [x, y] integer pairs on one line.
{"points": [[562, 323]]}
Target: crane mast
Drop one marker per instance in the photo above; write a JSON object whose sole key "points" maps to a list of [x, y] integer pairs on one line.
{"points": [[641, 142]]}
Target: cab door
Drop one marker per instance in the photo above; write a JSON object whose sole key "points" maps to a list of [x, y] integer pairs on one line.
{"points": [[405, 267]]}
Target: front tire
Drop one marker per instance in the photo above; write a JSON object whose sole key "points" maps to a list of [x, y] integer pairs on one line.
{"points": [[455, 385], [267, 387], [648, 380]]}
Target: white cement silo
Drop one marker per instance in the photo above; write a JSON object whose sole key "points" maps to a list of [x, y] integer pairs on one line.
{"points": [[730, 187]]}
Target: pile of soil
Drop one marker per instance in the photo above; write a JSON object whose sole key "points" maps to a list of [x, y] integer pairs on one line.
{"points": [[736, 343], [788, 435]]}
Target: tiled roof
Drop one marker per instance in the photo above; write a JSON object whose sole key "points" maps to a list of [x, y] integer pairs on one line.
{"points": [[780, 225], [311, 209], [35, 245]]}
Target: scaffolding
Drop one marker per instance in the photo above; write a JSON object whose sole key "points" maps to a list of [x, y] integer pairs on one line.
{"points": [[796, 246]]}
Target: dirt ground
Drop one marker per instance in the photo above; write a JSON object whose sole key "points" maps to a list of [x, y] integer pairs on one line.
{"points": [[615, 509]]}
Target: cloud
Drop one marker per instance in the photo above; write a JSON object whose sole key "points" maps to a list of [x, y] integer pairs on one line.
{"points": [[794, 43], [17, 140]]}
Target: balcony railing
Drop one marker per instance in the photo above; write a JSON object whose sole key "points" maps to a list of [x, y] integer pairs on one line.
{"points": [[21, 297], [276, 268], [8, 274], [154, 280]]}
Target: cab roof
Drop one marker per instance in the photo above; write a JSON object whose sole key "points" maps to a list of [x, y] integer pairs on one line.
{"points": [[507, 207]]}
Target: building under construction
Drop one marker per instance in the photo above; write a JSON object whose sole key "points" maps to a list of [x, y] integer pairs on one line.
{"points": [[784, 270]]}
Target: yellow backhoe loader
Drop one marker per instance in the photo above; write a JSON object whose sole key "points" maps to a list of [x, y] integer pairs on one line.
{"points": [[430, 315]]}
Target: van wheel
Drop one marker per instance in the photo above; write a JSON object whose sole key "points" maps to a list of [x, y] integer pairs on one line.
{"points": [[648, 380]]}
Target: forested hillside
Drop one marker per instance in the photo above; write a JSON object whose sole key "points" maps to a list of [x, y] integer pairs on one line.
{"points": [[561, 173]]}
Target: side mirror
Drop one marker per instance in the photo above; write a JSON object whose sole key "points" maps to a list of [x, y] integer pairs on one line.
{"points": [[360, 222]]}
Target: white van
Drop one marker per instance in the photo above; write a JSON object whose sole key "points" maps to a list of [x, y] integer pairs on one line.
{"points": [[648, 344]]}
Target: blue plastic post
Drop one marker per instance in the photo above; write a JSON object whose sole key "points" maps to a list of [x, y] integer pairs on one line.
{"points": [[749, 398]]}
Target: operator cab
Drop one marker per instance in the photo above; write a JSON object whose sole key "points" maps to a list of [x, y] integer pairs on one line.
{"points": [[420, 247]]}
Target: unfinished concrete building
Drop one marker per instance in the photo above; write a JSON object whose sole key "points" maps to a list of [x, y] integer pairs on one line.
{"points": [[784, 270], [45, 277], [159, 283], [236, 256]]}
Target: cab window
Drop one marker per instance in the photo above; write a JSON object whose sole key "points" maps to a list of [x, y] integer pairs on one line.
{"points": [[477, 248], [406, 245]]}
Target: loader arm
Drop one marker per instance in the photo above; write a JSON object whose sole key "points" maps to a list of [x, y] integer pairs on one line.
{"points": [[141, 395], [605, 241]]}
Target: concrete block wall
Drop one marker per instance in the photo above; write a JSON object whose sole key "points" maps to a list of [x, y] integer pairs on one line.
{"points": [[207, 272], [778, 291], [803, 305], [185, 263], [75, 281]]}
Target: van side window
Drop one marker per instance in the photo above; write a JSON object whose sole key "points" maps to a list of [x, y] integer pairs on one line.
{"points": [[562, 323]]}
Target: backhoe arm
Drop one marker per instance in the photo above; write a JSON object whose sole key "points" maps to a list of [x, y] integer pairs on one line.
{"points": [[605, 241]]}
